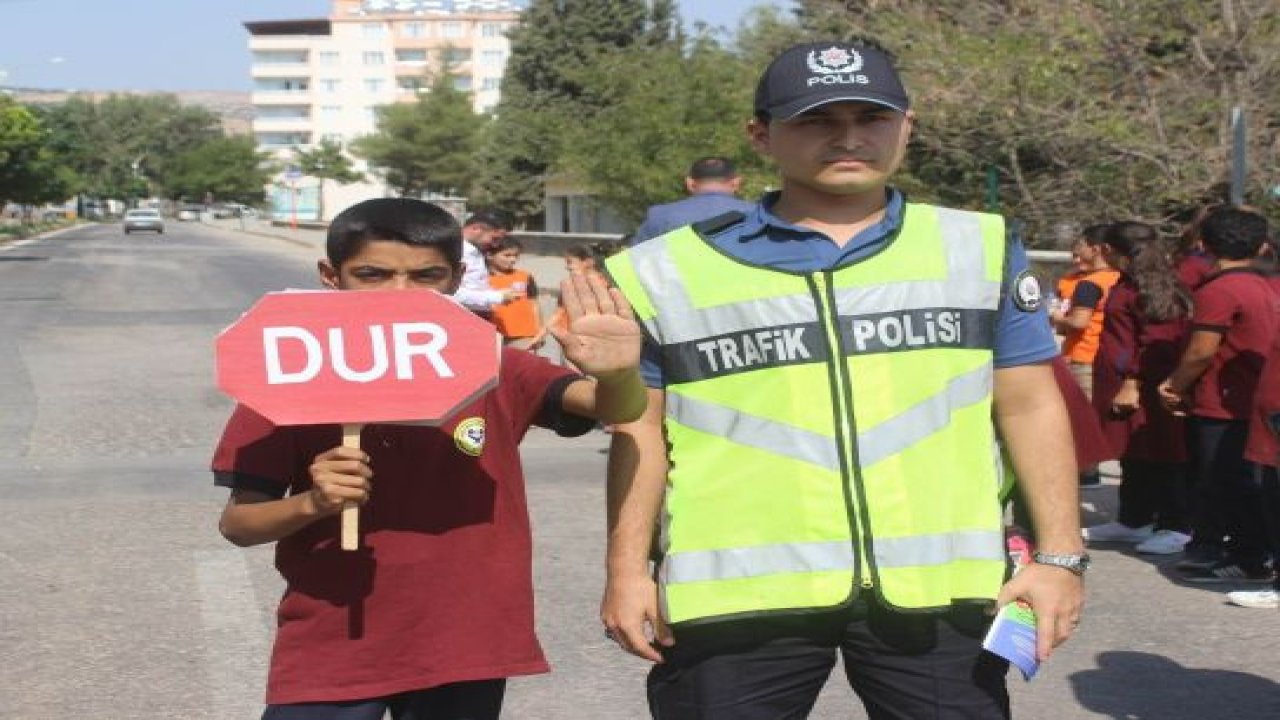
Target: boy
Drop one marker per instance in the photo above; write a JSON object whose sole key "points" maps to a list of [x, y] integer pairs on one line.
{"points": [[518, 320], [436, 610], [1234, 322]]}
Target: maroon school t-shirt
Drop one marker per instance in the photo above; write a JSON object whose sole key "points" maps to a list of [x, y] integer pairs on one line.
{"points": [[441, 589], [1264, 441], [1242, 305]]}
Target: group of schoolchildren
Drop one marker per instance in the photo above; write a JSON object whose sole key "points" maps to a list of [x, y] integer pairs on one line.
{"points": [[1177, 345], [519, 317]]}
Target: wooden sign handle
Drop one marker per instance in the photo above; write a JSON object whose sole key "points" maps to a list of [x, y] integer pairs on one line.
{"points": [[351, 511]]}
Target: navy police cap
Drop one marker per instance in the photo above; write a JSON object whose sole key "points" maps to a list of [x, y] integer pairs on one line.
{"points": [[813, 74]]}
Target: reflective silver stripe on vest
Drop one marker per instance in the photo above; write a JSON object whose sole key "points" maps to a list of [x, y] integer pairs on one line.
{"points": [[938, 549], [703, 565], [923, 419], [965, 287], [754, 431], [761, 560], [966, 284], [681, 322]]}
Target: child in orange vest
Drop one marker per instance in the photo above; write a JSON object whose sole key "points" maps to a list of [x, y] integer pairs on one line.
{"points": [[520, 320]]}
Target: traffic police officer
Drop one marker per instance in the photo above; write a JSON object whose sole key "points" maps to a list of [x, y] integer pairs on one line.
{"points": [[819, 458]]}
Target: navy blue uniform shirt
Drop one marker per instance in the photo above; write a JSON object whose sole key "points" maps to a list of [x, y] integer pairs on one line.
{"points": [[664, 218], [765, 239]]}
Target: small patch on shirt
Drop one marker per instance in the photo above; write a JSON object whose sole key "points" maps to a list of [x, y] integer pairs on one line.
{"points": [[1027, 296], [469, 436]]}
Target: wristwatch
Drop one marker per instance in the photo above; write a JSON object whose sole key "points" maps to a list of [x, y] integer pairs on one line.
{"points": [[1077, 564]]}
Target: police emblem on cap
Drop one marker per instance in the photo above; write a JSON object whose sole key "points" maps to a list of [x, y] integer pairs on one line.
{"points": [[834, 60], [1026, 292], [469, 436]]}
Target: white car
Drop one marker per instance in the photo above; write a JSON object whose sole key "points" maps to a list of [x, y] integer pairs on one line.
{"points": [[143, 219]]}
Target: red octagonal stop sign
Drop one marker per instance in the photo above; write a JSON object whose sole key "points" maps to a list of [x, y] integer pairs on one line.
{"points": [[317, 357]]}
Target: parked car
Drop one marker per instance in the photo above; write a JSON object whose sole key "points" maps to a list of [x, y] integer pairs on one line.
{"points": [[189, 213], [241, 210], [143, 219]]}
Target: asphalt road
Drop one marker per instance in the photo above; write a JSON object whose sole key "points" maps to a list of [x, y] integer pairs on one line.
{"points": [[118, 599]]}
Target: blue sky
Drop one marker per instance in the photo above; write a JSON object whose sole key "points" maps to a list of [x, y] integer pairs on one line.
{"points": [[173, 44]]}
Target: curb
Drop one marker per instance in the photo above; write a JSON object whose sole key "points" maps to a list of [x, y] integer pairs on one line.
{"points": [[19, 242]]}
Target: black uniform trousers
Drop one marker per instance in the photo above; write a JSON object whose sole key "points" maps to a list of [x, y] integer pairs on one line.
{"points": [[903, 666]]}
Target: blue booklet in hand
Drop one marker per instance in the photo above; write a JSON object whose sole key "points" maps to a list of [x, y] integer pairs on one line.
{"points": [[1013, 637]]}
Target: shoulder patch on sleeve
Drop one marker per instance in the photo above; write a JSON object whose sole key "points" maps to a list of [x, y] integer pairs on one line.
{"points": [[719, 223], [1027, 296]]}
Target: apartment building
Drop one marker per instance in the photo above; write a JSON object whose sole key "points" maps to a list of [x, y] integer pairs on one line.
{"points": [[324, 78]]}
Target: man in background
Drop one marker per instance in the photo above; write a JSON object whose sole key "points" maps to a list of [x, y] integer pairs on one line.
{"points": [[713, 184], [482, 230]]}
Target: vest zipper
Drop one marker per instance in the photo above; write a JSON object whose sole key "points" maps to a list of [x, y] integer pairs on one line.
{"points": [[840, 381]]}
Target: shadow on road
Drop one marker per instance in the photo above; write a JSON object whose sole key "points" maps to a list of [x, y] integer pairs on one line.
{"points": [[1142, 686]]}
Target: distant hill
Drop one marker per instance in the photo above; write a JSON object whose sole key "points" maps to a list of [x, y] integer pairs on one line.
{"points": [[234, 108]]}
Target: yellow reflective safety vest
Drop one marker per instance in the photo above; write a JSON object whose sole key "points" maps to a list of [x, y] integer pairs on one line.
{"points": [[827, 431]]}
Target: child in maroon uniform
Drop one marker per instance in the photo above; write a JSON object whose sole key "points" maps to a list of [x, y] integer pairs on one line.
{"points": [[1235, 321], [431, 616], [1142, 337], [1263, 450]]}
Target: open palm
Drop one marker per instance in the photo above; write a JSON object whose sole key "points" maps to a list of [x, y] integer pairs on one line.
{"points": [[602, 336]]}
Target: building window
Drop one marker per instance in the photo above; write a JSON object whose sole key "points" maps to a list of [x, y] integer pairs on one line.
{"points": [[371, 116], [280, 57], [451, 30], [491, 84], [462, 82], [411, 56], [375, 57], [373, 85], [283, 140], [330, 86], [413, 29], [411, 84], [491, 30], [373, 31], [283, 112], [330, 58], [280, 85], [457, 55], [330, 113], [493, 58]]}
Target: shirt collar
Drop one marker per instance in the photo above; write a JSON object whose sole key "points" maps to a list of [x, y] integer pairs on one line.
{"points": [[761, 220]]}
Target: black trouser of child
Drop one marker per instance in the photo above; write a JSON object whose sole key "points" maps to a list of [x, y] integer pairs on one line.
{"points": [[1228, 493], [1154, 492], [903, 666], [477, 700]]}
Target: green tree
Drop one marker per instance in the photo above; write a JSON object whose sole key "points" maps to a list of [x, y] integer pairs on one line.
{"points": [[123, 146], [661, 107], [427, 145], [1087, 109], [229, 168], [22, 140], [554, 51], [327, 161]]}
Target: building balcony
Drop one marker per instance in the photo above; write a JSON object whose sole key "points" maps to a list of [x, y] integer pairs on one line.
{"points": [[287, 43], [280, 97], [281, 125], [279, 70]]}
